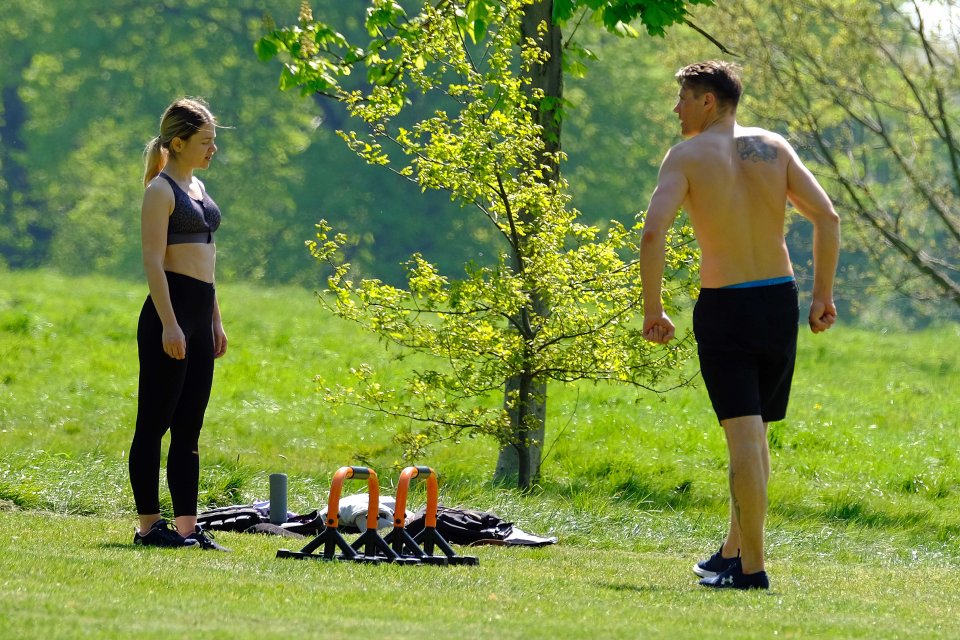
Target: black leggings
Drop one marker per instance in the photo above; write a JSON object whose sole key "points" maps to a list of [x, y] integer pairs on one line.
{"points": [[173, 395]]}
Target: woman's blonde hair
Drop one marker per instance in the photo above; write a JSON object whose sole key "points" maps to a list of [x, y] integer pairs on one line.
{"points": [[182, 119]]}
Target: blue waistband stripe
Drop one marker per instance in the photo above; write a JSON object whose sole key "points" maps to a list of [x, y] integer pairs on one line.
{"points": [[760, 283]]}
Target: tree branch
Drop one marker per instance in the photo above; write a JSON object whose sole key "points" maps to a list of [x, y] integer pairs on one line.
{"points": [[714, 41]]}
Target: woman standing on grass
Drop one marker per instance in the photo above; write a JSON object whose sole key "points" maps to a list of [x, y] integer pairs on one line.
{"points": [[180, 332]]}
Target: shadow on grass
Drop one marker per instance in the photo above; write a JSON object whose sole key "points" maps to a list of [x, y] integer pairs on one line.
{"points": [[636, 588], [856, 512], [676, 495], [663, 493], [665, 488], [123, 546]]}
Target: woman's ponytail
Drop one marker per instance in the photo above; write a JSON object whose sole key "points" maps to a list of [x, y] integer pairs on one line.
{"points": [[154, 158]]}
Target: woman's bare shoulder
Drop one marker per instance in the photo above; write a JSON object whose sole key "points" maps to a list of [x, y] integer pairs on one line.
{"points": [[158, 194]]}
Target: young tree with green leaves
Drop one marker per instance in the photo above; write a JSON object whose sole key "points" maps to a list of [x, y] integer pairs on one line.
{"points": [[542, 23], [560, 301]]}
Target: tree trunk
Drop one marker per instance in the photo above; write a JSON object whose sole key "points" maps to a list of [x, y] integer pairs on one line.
{"points": [[521, 460], [547, 77], [519, 463]]}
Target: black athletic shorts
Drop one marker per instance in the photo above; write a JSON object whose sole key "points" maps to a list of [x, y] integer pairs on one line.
{"points": [[747, 341]]}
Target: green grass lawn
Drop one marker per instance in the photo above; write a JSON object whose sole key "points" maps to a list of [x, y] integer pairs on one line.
{"points": [[68, 576], [863, 529]]}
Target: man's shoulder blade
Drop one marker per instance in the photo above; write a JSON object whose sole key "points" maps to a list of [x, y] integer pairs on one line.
{"points": [[757, 148]]}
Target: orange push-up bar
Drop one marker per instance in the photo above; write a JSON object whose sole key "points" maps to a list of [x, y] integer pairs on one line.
{"points": [[403, 487], [375, 549], [336, 486], [400, 540]]}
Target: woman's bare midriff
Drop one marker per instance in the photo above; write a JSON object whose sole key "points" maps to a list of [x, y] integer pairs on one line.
{"points": [[196, 260]]}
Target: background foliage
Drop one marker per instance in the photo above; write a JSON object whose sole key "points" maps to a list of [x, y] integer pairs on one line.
{"points": [[82, 85]]}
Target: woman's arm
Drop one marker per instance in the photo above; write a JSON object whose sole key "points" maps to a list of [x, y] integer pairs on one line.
{"points": [[154, 218], [219, 336]]}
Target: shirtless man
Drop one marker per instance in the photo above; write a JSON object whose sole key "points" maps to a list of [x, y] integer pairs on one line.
{"points": [[734, 182]]}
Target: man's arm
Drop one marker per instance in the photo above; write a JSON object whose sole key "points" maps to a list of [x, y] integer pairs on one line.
{"points": [[666, 201], [812, 202]]}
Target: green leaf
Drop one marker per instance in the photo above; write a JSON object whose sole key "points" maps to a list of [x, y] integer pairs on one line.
{"points": [[288, 79], [266, 48], [479, 30], [383, 15], [479, 15], [563, 10], [573, 67]]}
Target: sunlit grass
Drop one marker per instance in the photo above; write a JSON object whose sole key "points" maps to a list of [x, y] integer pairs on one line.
{"points": [[864, 496], [80, 577]]}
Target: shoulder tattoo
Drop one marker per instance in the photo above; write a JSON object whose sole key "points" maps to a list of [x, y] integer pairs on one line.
{"points": [[756, 149]]}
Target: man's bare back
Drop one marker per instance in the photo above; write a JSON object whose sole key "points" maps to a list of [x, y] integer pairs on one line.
{"points": [[736, 200], [735, 182]]}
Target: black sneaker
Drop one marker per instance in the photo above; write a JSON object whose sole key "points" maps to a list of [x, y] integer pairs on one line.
{"points": [[735, 578], [161, 534], [715, 564], [205, 540]]}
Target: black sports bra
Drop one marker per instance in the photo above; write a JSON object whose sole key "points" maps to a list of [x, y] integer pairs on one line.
{"points": [[191, 221]]}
